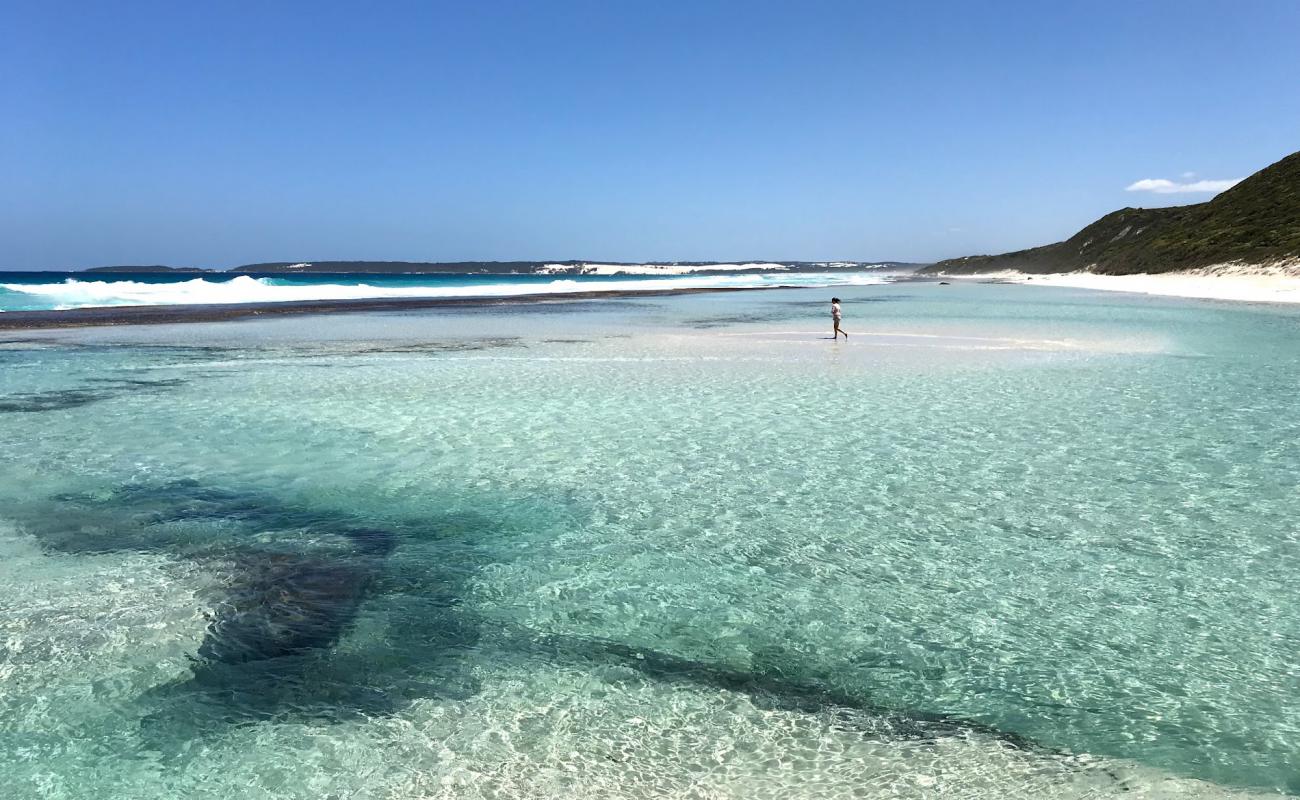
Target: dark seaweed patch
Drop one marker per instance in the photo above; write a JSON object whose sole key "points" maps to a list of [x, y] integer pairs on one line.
{"points": [[199, 352], [138, 383], [455, 346], [104, 389], [724, 320], [824, 304], [194, 353], [291, 581], [778, 684], [272, 646], [327, 350], [55, 400], [283, 604], [557, 305], [180, 516]]}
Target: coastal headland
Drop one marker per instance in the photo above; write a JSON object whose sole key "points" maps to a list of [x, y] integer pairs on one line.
{"points": [[1242, 245]]}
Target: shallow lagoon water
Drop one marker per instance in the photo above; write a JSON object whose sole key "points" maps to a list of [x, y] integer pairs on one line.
{"points": [[1007, 541]]}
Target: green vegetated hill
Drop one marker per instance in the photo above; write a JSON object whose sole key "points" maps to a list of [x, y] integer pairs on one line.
{"points": [[1255, 222]]}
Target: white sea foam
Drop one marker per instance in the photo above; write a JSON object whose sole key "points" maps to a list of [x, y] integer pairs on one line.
{"points": [[659, 269], [73, 293]]}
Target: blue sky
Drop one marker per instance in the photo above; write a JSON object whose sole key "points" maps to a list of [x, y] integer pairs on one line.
{"points": [[215, 134]]}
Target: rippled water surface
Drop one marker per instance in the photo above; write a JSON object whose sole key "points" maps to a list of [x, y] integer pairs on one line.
{"points": [[1006, 542]]}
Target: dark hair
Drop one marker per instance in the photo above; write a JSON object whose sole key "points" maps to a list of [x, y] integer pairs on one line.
{"points": [[835, 299]]}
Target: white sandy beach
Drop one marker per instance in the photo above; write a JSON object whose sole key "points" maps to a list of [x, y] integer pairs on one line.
{"points": [[1272, 283]]}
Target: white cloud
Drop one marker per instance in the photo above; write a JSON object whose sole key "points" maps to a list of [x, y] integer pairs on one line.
{"points": [[1166, 186]]}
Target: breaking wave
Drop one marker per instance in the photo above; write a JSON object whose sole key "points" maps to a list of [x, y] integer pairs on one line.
{"points": [[75, 293]]}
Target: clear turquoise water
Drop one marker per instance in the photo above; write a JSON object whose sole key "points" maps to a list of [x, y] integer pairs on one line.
{"points": [[1006, 542]]}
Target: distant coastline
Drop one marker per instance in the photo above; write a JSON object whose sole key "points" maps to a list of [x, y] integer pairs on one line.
{"points": [[552, 267]]}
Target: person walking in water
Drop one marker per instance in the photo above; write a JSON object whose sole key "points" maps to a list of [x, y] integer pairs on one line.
{"points": [[835, 317]]}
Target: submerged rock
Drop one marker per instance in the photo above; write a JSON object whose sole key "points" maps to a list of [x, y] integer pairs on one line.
{"points": [[283, 605]]}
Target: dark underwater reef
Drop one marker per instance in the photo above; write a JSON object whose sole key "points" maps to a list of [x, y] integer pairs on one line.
{"points": [[96, 390], [295, 579]]}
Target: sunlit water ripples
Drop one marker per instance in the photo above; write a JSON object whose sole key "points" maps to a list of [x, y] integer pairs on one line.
{"points": [[1003, 543]]}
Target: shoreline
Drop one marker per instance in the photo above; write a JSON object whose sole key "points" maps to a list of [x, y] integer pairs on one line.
{"points": [[1228, 282], [104, 316]]}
